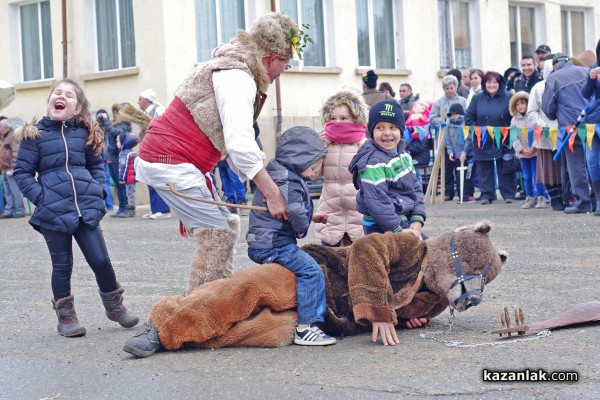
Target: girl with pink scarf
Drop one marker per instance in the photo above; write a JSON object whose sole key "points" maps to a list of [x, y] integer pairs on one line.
{"points": [[344, 116]]}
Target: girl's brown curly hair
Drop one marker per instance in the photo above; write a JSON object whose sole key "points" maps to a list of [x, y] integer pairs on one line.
{"points": [[84, 118]]}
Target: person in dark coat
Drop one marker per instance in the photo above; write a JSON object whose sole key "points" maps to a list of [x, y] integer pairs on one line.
{"points": [[299, 156], [590, 88], [563, 100], [529, 75], [64, 150], [490, 108], [390, 196], [113, 130]]}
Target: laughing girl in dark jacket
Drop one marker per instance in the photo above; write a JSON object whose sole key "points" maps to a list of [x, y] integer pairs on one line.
{"points": [[490, 108], [64, 149]]}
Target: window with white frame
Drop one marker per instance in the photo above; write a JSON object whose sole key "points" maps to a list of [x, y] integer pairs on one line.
{"points": [[114, 34], [36, 41], [376, 27], [522, 27], [573, 25], [455, 34], [309, 12], [217, 21]]}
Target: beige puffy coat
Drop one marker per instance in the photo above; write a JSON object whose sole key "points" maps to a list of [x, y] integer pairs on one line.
{"points": [[338, 198], [520, 121]]}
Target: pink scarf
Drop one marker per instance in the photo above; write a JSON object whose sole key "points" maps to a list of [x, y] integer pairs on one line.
{"points": [[344, 132]]}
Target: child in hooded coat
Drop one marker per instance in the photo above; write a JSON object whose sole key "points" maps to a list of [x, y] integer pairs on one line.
{"points": [[344, 116], [390, 196], [525, 151], [127, 157], [299, 156]]}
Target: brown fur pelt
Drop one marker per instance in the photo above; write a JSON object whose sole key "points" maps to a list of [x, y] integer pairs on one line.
{"points": [[131, 114], [256, 307], [403, 257]]}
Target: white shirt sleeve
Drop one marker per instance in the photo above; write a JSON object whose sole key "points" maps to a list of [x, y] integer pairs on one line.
{"points": [[235, 92]]}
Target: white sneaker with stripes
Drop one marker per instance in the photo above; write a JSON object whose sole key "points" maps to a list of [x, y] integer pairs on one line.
{"points": [[312, 336]]}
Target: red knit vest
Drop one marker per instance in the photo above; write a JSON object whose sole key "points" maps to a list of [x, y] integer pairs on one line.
{"points": [[175, 138]]}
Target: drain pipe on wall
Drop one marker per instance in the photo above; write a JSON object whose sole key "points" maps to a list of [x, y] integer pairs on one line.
{"points": [[279, 120], [64, 37]]}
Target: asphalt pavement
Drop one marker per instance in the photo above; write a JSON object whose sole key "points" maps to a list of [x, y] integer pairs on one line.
{"points": [[553, 265]]}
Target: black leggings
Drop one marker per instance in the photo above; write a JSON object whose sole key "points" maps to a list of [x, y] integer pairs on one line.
{"points": [[92, 245]]}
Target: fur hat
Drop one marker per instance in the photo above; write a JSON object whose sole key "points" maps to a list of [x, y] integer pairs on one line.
{"points": [[272, 34], [118, 106], [354, 101], [370, 79], [512, 104], [386, 111], [456, 108], [149, 95]]}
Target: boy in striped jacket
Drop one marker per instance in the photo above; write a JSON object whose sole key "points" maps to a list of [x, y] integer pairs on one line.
{"points": [[390, 196]]}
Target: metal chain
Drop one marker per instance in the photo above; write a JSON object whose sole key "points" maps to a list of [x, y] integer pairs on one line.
{"points": [[431, 335]]}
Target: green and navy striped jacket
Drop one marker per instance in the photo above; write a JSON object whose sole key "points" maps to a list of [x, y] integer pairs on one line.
{"points": [[388, 189]]}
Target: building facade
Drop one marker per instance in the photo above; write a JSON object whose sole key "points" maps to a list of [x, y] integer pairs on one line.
{"points": [[117, 48]]}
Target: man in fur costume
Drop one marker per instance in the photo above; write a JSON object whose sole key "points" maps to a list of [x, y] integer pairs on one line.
{"points": [[382, 279], [210, 119]]}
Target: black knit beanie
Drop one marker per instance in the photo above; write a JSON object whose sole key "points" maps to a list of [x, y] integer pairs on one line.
{"points": [[386, 111], [370, 79]]}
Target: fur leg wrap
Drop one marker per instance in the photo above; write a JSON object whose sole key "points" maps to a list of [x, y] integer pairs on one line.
{"points": [[214, 256]]}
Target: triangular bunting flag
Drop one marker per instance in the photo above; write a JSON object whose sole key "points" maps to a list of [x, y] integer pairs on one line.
{"points": [[589, 129]]}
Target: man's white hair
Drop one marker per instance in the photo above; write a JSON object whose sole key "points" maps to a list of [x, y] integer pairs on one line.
{"points": [[149, 95]]}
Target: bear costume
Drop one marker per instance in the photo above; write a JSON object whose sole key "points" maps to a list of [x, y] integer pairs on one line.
{"points": [[388, 277]]}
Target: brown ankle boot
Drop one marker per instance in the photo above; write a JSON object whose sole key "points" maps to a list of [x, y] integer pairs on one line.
{"points": [[68, 324], [116, 311]]}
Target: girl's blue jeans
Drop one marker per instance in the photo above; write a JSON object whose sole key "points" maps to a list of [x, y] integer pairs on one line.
{"points": [[310, 281], [529, 173]]}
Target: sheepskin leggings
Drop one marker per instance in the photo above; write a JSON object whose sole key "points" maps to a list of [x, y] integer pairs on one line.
{"points": [[213, 258], [92, 245], [254, 307]]}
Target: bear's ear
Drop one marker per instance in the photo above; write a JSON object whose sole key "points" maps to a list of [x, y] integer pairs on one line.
{"points": [[503, 256], [482, 227]]}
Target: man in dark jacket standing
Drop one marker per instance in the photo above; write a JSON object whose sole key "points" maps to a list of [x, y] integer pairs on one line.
{"points": [[562, 100], [529, 75]]}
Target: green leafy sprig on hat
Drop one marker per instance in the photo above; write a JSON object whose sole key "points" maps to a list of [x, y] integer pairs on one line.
{"points": [[300, 40]]}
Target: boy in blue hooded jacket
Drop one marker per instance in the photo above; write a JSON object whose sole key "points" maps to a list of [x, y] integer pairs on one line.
{"points": [[390, 196], [299, 156]]}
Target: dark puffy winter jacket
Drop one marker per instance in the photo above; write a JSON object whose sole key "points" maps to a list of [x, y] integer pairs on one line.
{"points": [[485, 110], [388, 188], [111, 132], [70, 184], [592, 87]]}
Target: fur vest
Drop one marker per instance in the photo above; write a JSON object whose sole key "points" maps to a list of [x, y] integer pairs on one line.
{"points": [[197, 92]]}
